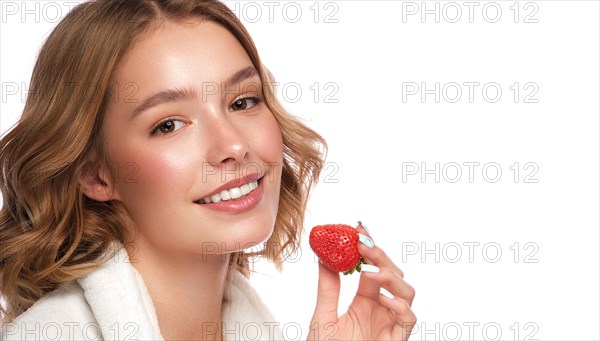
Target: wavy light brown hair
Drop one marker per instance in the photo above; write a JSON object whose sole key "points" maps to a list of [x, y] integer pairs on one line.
{"points": [[50, 232]]}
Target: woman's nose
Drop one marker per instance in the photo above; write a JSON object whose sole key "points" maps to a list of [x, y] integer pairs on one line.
{"points": [[226, 142]]}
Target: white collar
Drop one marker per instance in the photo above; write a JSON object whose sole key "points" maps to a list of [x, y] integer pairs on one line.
{"points": [[120, 302]]}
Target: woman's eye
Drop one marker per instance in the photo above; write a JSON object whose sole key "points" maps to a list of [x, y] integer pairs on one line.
{"points": [[242, 103], [168, 126]]}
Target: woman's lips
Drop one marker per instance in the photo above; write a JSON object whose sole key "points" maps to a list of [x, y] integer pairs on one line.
{"points": [[240, 204], [231, 193], [237, 182]]}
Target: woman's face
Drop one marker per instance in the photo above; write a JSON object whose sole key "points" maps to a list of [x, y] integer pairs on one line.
{"points": [[188, 143]]}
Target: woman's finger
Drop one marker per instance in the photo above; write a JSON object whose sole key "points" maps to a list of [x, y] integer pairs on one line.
{"points": [[404, 317], [328, 293], [381, 258], [375, 275], [379, 270], [362, 228], [386, 278], [367, 287], [376, 256]]}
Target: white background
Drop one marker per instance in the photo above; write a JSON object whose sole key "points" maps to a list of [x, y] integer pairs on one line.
{"points": [[544, 283]]}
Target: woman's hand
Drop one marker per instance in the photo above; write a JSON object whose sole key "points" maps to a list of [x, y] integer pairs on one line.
{"points": [[371, 315]]}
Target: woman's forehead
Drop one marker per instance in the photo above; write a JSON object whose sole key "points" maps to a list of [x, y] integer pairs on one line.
{"points": [[181, 56], [204, 51]]}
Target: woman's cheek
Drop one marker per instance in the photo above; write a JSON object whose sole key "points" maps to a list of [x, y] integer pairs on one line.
{"points": [[157, 173], [268, 139]]}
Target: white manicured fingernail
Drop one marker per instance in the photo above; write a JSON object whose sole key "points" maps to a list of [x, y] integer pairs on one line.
{"points": [[364, 227], [369, 268], [386, 293], [366, 240]]}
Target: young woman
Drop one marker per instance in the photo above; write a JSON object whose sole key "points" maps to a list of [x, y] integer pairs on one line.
{"points": [[150, 154]]}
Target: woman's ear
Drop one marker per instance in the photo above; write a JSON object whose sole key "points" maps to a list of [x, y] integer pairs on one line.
{"points": [[95, 182]]}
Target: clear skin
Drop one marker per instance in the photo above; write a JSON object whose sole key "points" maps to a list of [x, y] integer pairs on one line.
{"points": [[182, 249]]}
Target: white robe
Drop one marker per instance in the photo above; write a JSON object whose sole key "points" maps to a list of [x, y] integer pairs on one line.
{"points": [[112, 303]]}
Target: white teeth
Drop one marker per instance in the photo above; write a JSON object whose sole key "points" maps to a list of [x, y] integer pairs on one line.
{"points": [[225, 195], [235, 192], [232, 193], [245, 189]]}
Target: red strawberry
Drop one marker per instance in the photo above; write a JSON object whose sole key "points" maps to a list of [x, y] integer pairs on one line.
{"points": [[336, 247]]}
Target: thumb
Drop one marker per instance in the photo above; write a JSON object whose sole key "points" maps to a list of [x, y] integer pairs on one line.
{"points": [[328, 294]]}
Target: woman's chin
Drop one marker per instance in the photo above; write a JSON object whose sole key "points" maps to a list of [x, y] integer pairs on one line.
{"points": [[249, 238]]}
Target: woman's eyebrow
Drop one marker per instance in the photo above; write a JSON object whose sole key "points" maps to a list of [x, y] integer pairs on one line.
{"points": [[174, 95]]}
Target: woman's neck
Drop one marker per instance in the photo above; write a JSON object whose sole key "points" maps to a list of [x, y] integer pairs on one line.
{"points": [[186, 289]]}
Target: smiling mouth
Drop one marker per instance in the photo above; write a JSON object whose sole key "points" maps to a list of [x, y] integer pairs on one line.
{"points": [[230, 194]]}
